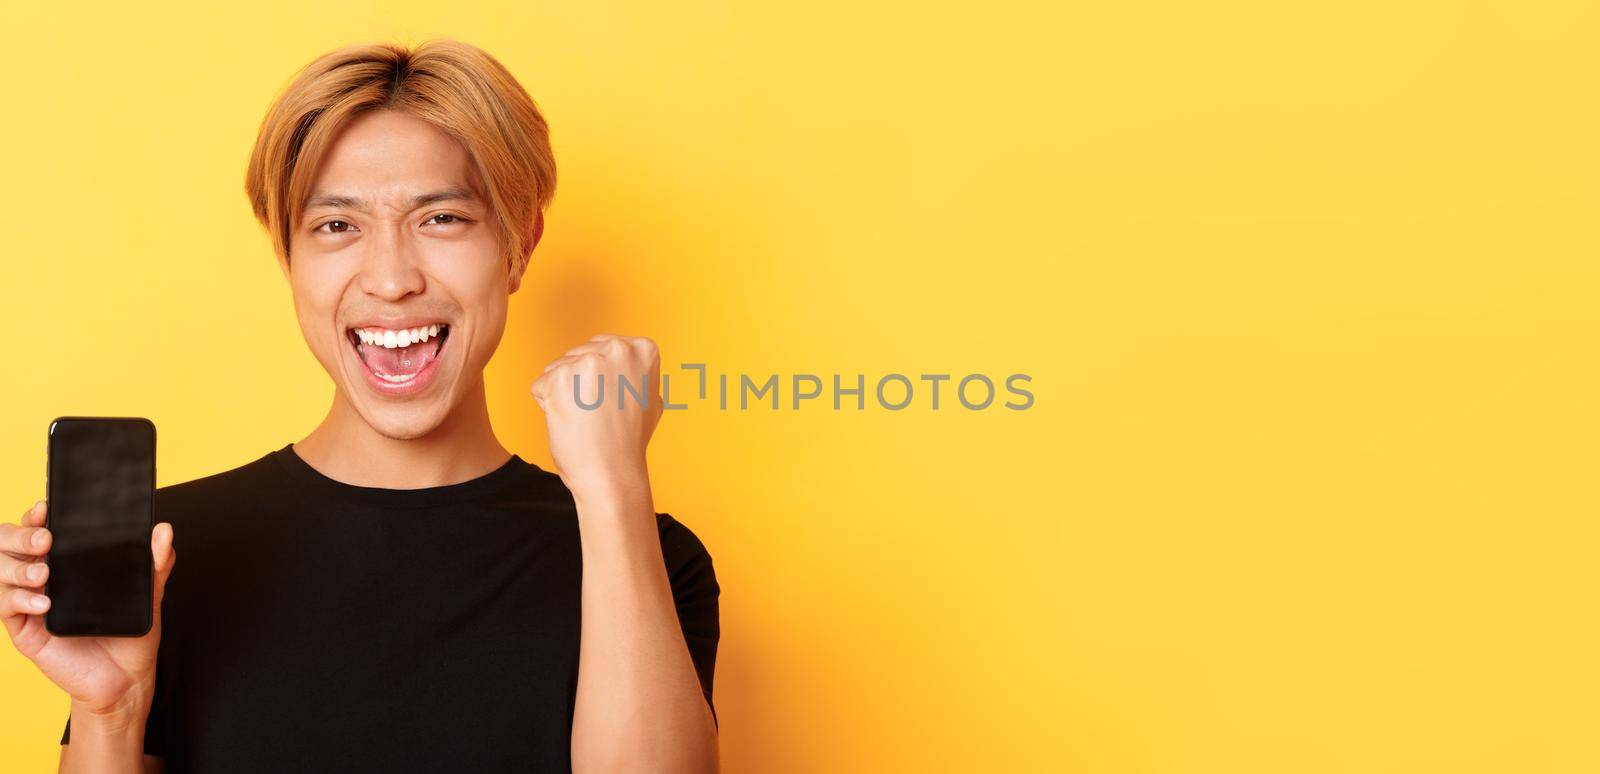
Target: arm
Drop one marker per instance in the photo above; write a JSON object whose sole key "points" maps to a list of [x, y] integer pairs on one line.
{"points": [[112, 743], [639, 705]]}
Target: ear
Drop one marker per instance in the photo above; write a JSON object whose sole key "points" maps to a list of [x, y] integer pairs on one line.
{"points": [[527, 257]]}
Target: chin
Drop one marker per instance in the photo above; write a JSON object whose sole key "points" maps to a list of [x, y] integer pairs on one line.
{"points": [[402, 425]]}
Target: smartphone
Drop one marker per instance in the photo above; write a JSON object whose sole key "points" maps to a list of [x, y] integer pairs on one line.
{"points": [[100, 486]]}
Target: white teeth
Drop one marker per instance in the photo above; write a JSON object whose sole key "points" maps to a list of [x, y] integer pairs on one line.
{"points": [[401, 338]]}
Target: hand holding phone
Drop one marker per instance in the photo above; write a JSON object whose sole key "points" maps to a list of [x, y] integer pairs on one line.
{"points": [[101, 674]]}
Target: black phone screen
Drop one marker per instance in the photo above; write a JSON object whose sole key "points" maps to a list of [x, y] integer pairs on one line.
{"points": [[100, 491]]}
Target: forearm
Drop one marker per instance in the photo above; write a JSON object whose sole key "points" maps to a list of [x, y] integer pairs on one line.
{"points": [[112, 743], [639, 701]]}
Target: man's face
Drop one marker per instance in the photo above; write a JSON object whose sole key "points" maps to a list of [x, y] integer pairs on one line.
{"points": [[380, 268]]}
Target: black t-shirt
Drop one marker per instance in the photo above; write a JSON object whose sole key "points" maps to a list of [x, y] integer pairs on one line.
{"points": [[313, 625]]}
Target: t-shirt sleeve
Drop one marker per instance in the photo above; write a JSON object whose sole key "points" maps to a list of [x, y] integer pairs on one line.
{"points": [[695, 593]]}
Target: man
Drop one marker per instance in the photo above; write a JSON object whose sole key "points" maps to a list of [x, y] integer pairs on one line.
{"points": [[396, 591]]}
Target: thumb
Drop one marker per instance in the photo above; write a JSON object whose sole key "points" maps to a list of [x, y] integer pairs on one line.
{"points": [[165, 556], [538, 389]]}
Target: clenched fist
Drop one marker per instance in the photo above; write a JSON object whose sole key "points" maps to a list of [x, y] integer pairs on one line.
{"points": [[598, 435]]}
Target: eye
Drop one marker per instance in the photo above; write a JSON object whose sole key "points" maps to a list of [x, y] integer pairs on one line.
{"points": [[331, 223], [452, 218]]}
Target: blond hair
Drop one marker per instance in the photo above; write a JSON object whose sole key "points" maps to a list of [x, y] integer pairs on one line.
{"points": [[453, 85]]}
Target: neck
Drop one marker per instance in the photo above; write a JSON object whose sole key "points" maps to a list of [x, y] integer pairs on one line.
{"points": [[463, 447]]}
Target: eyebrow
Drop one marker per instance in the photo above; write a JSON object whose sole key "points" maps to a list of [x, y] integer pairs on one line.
{"points": [[454, 192]]}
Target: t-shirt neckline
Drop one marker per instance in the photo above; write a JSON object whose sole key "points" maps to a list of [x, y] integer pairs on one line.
{"points": [[446, 494]]}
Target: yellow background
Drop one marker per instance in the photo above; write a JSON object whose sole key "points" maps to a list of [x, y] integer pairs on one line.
{"points": [[1307, 292]]}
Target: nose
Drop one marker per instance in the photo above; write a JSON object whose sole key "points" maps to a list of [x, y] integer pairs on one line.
{"points": [[389, 267]]}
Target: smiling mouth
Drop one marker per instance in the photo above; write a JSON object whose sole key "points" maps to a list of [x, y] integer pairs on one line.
{"points": [[397, 356]]}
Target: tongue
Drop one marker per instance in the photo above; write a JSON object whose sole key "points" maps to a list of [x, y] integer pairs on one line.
{"points": [[401, 361]]}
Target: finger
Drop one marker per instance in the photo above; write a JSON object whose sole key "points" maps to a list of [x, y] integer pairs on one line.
{"points": [[20, 573], [615, 349], [24, 541], [15, 607], [568, 358], [165, 556], [538, 395], [652, 352], [34, 517], [16, 603], [601, 344], [584, 368], [643, 344]]}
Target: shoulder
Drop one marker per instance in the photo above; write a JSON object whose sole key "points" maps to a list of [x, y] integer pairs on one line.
{"points": [[675, 535], [687, 557]]}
